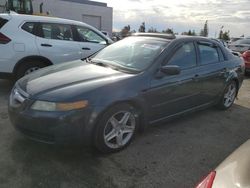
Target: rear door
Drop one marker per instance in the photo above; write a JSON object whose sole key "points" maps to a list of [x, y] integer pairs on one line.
{"points": [[212, 70], [89, 41], [55, 42]]}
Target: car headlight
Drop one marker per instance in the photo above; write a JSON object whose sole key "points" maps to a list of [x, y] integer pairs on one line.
{"points": [[54, 106]]}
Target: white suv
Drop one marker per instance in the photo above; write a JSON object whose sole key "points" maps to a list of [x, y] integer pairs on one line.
{"points": [[28, 43]]}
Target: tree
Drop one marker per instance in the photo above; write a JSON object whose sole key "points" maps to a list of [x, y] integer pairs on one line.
{"points": [[190, 33], [125, 31], [220, 34], [142, 27], [224, 35], [168, 31], [204, 31], [152, 30]]}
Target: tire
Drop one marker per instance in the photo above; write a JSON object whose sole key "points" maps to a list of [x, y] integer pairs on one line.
{"points": [[116, 128], [228, 96], [29, 67]]}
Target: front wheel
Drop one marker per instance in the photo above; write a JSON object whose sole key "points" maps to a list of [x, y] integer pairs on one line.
{"points": [[29, 67], [116, 128], [229, 96]]}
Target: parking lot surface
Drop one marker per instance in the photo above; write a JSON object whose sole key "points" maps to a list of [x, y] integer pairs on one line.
{"points": [[175, 154]]}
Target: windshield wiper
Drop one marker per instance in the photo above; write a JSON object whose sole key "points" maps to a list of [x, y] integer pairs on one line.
{"points": [[96, 62], [112, 65]]}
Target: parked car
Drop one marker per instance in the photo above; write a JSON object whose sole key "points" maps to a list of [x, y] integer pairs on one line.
{"points": [[132, 83], [233, 39], [240, 45], [28, 43], [232, 172], [246, 57]]}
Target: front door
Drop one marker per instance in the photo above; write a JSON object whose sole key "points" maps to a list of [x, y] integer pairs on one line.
{"points": [[90, 42], [174, 94]]}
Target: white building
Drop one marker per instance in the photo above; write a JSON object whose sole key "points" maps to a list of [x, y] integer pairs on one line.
{"points": [[93, 13]]}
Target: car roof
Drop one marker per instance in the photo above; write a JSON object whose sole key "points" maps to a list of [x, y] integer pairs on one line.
{"points": [[158, 35], [25, 17], [171, 37]]}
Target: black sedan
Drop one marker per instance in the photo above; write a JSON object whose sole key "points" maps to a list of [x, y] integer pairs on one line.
{"points": [[137, 81]]}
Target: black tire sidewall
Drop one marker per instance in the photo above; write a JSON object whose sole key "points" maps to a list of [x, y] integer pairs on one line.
{"points": [[99, 138], [27, 65]]}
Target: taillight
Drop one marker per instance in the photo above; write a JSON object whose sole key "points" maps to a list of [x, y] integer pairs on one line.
{"points": [[208, 181], [246, 56], [4, 39]]}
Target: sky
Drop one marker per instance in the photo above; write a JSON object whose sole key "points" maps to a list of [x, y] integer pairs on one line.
{"points": [[182, 15]]}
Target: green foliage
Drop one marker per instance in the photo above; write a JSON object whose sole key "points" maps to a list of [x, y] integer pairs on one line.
{"points": [[204, 31], [224, 35], [142, 27], [152, 30], [190, 33], [168, 31]]}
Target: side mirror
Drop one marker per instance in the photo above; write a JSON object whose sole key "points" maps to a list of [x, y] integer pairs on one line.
{"points": [[171, 69]]}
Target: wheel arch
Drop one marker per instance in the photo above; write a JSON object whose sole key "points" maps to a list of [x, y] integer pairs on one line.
{"points": [[235, 78], [22, 61], [138, 105]]}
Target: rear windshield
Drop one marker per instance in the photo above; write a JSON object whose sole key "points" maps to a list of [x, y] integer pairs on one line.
{"points": [[2, 22]]}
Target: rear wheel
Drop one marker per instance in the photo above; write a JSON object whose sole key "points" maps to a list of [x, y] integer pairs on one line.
{"points": [[116, 128], [29, 67], [229, 96]]}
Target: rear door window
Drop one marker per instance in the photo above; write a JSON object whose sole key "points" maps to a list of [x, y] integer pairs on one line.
{"points": [[184, 57], [2, 22], [56, 31], [29, 27], [208, 53]]}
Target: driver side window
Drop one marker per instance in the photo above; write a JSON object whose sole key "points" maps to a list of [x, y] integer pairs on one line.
{"points": [[184, 57], [87, 35]]}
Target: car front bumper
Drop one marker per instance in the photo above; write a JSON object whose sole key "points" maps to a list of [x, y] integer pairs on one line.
{"points": [[53, 127]]}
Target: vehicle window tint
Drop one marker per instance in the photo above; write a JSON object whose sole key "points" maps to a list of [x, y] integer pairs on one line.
{"points": [[2, 22], [29, 27], [208, 54], [57, 31], [221, 55], [185, 56], [87, 35]]}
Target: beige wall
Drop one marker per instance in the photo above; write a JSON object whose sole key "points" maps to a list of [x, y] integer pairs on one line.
{"points": [[75, 11]]}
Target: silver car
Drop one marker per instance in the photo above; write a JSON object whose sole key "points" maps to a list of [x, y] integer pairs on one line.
{"points": [[241, 45], [234, 172]]}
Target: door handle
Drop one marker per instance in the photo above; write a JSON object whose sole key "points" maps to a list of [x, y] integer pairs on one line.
{"points": [[86, 48], [46, 45]]}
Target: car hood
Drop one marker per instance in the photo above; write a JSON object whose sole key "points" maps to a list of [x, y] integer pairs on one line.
{"points": [[235, 170], [67, 75]]}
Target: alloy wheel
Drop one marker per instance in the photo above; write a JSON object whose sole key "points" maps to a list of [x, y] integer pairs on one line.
{"points": [[119, 129], [230, 95]]}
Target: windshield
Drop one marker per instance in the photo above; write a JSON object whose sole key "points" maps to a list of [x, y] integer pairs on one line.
{"points": [[134, 53], [243, 41]]}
